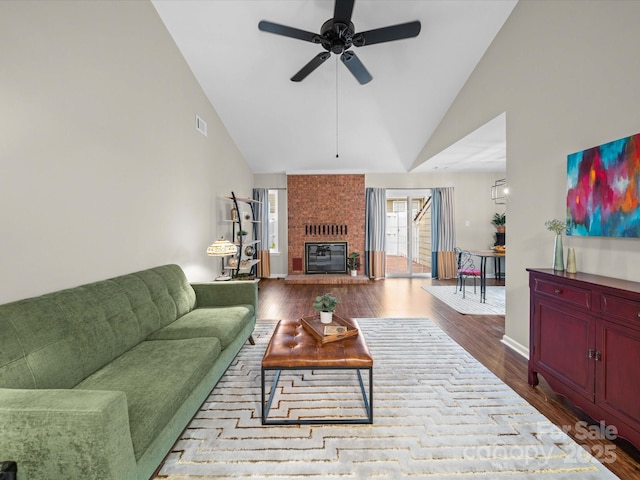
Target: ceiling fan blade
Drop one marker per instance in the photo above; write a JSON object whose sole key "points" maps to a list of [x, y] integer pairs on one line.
{"points": [[311, 66], [356, 67], [291, 32], [343, 10], [387, 34]]}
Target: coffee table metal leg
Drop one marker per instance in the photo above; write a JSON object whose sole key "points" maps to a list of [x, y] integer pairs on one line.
{"points": [[367, 399], [265, 410], [367, 405], [370, 395]]}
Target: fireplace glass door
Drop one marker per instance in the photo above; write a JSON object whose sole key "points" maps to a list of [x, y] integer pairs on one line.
{"points": [[325, 257]]}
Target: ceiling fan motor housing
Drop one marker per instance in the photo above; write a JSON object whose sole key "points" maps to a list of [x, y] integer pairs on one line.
{"points": [[336, 36]]}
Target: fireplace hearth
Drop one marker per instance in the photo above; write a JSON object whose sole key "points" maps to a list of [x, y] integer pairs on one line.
{"points": [[325, 257]]}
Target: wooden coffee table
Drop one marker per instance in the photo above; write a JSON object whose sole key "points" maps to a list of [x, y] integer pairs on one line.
{"points": [[293, 348]]}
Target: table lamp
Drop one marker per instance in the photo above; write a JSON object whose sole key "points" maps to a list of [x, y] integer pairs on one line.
{"points": [[222, 248]]}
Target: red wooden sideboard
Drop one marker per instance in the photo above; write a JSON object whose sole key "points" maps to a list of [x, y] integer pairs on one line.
{"points": [[585, 341]]}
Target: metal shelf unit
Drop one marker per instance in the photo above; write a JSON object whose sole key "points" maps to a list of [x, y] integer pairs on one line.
{"points": [[244, 261]]}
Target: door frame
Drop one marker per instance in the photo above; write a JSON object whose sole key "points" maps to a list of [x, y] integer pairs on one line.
{"points": [[408, 195]]}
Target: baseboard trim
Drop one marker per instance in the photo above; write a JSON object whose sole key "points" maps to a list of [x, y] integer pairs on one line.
{"points": [[515, 346]]}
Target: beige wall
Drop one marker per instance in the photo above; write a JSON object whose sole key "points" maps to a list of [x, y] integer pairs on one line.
{"points": [[101, 169], [566, 74]]}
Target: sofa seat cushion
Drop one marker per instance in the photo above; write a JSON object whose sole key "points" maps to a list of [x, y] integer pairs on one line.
{"points": [[224, 323], [156, 377]]}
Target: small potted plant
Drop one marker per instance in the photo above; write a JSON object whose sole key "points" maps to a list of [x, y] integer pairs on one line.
{"points": [[242, 234], [325, 304], [353, 263], [499, 220]]}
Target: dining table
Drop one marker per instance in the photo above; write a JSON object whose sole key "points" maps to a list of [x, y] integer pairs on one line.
{"points": [[483, 255]]}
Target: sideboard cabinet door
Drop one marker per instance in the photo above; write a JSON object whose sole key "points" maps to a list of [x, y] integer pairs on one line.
{"points": [[618, 390], [565, 337]]}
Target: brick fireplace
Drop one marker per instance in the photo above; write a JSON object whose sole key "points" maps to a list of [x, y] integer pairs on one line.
{"points": [[324, 208]]}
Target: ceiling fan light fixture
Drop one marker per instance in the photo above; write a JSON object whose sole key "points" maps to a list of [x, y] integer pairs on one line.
{"points": [[337, 48]]}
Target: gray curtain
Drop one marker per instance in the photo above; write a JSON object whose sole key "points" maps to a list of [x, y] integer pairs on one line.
{"points": [[443, 232], [261, 213], [376, 222]]}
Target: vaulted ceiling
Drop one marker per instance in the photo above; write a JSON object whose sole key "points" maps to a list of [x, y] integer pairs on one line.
{"points": [[329, 122]]}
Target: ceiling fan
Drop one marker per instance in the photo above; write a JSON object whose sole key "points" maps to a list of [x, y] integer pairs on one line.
{"points": [[337, 35]]}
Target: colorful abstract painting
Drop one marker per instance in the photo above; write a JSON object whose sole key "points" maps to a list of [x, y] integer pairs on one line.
{"points": [[603, 188]]}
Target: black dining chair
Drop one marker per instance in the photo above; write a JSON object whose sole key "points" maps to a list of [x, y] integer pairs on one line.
{"points": [[466, 269]]}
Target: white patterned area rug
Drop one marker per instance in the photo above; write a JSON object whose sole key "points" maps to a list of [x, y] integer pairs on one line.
{"points": [[438, 414], [470, 305]]}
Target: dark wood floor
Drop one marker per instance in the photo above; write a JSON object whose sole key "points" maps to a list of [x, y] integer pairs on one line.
{"points": [[480, 335]]}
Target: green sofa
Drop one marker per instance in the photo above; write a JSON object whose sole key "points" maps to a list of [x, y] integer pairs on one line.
{"points": [[98, 381]]}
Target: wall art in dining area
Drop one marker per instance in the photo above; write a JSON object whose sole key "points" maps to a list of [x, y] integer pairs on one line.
{"points": [[603, 190]]}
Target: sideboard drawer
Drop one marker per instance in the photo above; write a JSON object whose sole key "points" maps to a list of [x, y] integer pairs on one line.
{"points": [[621, 308], [577, 296]]}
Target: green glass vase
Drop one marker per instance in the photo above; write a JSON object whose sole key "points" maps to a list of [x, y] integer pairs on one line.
{"points": [[558, 254]]}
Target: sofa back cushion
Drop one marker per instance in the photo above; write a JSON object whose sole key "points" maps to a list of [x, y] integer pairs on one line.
{"points": [[57, 340]]}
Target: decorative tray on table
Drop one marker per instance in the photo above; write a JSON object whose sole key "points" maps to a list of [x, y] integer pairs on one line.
{"points": [[338, 329]]}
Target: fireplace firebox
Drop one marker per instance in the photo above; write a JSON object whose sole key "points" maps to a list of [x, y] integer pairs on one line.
{"points": [[325, 257]]}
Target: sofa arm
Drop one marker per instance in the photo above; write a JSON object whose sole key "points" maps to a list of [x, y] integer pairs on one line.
{"points": [[224, 294], [67, 434]]}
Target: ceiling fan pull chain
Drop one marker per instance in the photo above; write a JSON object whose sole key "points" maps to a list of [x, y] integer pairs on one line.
{"points": [[337, 156]]}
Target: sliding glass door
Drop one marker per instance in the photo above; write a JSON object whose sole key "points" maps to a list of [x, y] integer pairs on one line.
{"points": [[408, 235]]}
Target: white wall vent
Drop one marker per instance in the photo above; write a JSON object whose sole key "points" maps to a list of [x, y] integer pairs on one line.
{"points": [[201, 126]]}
